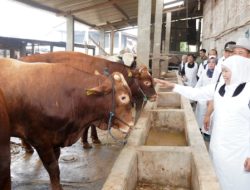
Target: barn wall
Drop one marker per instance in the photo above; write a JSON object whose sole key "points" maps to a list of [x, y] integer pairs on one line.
{"points": [[225, 20]]}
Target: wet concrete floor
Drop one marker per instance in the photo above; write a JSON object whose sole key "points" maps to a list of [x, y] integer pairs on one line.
{"points": [[80, 169]]}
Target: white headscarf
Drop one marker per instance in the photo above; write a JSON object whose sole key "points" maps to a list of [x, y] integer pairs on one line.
{"points": [[240, 68]]}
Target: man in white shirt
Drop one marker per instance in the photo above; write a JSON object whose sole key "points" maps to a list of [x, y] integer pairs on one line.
{"points": [[228, 51]]}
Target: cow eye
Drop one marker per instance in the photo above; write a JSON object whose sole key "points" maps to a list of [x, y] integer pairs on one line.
{"points": [[147, 83]]}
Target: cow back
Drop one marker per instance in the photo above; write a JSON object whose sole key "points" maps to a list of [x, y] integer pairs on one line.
{"points": [[92, 64]]}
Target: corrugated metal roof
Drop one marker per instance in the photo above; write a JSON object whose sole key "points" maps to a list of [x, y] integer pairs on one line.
{"points": [[104, 14]]}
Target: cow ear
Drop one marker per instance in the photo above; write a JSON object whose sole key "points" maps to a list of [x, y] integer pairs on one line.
{"points": [[130, 74], [99, 90], [97, 72], [94, 91], [135, 73]]}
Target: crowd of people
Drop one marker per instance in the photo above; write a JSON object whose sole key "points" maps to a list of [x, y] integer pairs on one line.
{"points": [[221, 88]]}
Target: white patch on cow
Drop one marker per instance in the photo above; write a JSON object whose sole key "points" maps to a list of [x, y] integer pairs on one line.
{"points": [[124, 98], [141, 69], [124, 129], [124, 82], [128, 59], [147, 83], [117, 77]]}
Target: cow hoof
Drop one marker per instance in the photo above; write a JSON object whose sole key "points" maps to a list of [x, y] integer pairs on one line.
{"points": [[86, 146], [96, 141]]}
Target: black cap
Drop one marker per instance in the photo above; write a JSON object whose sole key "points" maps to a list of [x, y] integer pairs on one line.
{"points": [[228, 46]]}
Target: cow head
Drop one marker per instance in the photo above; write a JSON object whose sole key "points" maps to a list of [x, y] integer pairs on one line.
{"points": [[144, 82], [120, 105]]}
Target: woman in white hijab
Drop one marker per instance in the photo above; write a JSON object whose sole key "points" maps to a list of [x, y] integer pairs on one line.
{"points": [[201, 107], [230, 138]]}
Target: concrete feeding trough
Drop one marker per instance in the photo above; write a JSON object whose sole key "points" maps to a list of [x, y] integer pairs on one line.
{"points": [[163, 166], [167, 128], [162, 89], [168, 100], [169, 75], [154, 168], [145, 164]]}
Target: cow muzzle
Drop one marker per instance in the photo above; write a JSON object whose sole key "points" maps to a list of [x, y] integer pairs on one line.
{"points": [[126, 128]]}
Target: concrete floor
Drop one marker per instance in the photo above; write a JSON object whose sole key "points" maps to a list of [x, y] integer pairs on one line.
{"points": [[80, 169]]}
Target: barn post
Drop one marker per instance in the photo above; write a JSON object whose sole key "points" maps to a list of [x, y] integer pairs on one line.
{"points": [[167, 39], [102, 42], [143, 42], [157, 38], [70, 33], [86, 40], [112, 36], [119, 41]]}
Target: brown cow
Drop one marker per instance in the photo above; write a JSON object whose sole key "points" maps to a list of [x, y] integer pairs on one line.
{"points": [[139, 79], [5, 182], [50, 104]]}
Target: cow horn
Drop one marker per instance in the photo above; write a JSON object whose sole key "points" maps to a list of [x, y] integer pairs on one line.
{"points": [[97, 72], [117, 77]]}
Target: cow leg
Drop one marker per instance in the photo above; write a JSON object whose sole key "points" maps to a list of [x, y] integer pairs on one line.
{"points": [[49, 160], [85, 142], [28, 148], [94, 135], [57, 152], [5, 181], [5, 158]]}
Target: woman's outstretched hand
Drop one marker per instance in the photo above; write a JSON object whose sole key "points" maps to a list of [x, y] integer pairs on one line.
{"points": [[247, 164], [164, 83]]}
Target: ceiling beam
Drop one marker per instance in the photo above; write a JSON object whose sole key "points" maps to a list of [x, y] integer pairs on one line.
{"points": [[40, 6], [67, 5], [184, 16], [84, 22], [130, 22], [111, 26], [121, 11], [73, 11]]}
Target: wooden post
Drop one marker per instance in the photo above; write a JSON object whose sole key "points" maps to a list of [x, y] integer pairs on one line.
{"points": [[70, 34], [51, 48], [120, 41], [12, 53], [102, 43], [167, 39], [32, 48], [143, 43], [157, 39], [4, 53], [198, 42], [23, 50], [86, 40], [112, 35]]}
